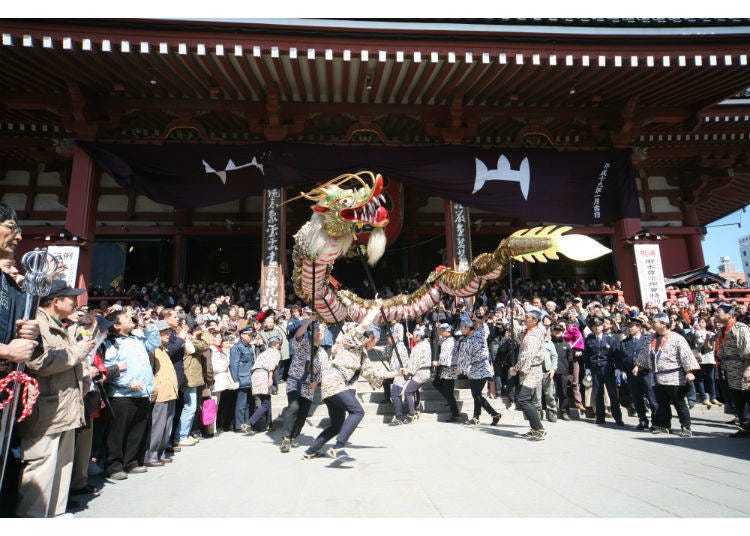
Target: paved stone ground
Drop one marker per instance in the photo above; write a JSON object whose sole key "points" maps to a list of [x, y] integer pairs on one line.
{"points": [[434, 469]]}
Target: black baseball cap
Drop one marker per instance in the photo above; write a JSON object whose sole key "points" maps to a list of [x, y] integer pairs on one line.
{"points": [[59, 288]]}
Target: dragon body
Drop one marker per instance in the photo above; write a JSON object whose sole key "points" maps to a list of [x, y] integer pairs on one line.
{"points": [[339, 213]]}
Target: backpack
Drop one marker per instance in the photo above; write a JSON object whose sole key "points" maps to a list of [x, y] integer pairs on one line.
{"points": [[208, 412]]}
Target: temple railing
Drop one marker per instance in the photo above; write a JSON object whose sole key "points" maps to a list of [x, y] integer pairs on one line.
{"points": [[741, 295]]}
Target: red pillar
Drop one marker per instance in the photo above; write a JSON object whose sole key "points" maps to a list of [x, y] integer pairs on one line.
{"points": [[625, 258], [693, 241], [80, 219]]}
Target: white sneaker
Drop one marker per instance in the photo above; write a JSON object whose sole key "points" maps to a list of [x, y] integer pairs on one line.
{"points": [[94, 469], [187, 442]]}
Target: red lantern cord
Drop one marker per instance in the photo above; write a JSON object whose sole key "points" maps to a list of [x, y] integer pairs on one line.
{"points": [[7, 386]]}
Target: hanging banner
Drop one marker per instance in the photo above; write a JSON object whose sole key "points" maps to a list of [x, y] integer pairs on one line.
{"points": [[461, 236], [650, 274], [272, 280], [575, 187], [67, 257]]}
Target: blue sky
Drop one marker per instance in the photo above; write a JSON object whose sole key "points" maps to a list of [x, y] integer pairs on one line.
{"points": [[722, 237]]}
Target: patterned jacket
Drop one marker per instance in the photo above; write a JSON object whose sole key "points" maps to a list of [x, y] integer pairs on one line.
{"points": [[734, 354], [474, 356], [264, 363], [393, 363], [420, 361], [447, 360], [671, 363], [350, 359], [530, 358], [298, 368]]}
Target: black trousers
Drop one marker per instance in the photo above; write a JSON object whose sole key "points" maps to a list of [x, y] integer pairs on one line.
{"points": [[561, 389], [741, 401], [296, 413], [601, 376], [126, 446], [479, 401], [446, 387], [667, 395], [342, 424], [262, 409], [525, 394]]}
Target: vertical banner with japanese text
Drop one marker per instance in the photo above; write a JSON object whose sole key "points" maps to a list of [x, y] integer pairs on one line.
{"points": [[650, 274], [272, 274], [67, 256], [461, 236]]}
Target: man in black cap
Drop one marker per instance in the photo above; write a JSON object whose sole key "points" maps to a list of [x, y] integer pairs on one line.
{"points": [[641, 384], [241, 359], [600, 354], [733, 352], [48, 434]]}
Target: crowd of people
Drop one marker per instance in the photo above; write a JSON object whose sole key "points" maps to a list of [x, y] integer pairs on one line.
{"points": [[123, 386]]}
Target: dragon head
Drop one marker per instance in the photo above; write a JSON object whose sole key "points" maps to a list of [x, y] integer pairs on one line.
{"points": [[354, 208]]}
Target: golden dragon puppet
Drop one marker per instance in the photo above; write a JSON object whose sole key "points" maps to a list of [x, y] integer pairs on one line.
{"points": [[353, 203]]}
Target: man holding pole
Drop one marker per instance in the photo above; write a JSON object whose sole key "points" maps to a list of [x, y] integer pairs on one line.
{"points": [[18, 340]]}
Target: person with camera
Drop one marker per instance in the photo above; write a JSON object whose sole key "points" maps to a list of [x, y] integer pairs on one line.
{"points": [[564, 368], [262, 380], [130, 393], [418, 369], [194, 362], [48, 434], [163, 398]]}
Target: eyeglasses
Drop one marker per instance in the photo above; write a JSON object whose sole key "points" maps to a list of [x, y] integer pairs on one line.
{"points": [[12, 226]]}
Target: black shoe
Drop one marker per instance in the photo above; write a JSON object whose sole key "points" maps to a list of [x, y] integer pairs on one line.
{"points": [[496, 419], [599, 422], [396, 422], [72, 505], [311, 455], [641, 426], [274, 390], [453, 418], [620, 423], [85, 490]]}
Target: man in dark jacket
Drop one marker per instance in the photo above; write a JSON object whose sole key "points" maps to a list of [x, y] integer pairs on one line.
{"points": [[640, 385], [600, 353], [241, 359], [564, 368]]}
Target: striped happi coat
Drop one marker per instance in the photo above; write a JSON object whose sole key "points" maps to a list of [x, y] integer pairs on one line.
{"points": [[670, 366], [420, 361], [734, 354], [530, 358], [264, 363], [298, 367], [447, 359], [393, 364], [350, 358], [473, 355]]}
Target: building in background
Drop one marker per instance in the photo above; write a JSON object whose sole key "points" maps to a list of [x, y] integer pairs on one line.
{"points": [[672, 93], [728, 270]]}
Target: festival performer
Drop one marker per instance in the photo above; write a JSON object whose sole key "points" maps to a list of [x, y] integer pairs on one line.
{"points": [[733, 352], [338, 380], [399, 358], [262, 380], [474, 361], [445, 378], [529, 369], [302, 380], [418, 369], [671, 360]]}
